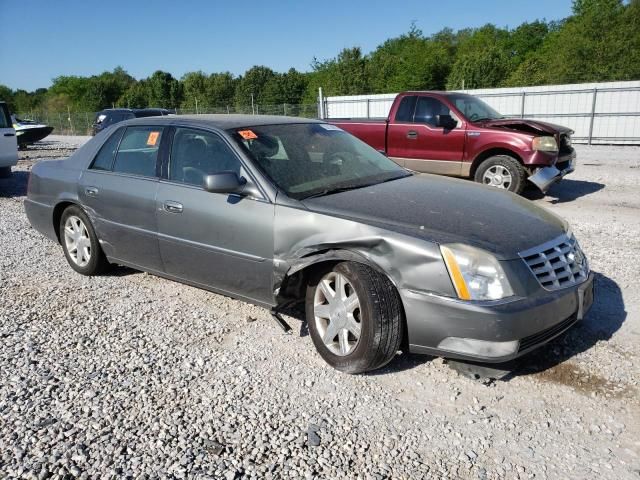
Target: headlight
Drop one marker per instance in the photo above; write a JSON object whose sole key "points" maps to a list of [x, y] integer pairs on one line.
{"points": [[545, 144], [476, 274]]}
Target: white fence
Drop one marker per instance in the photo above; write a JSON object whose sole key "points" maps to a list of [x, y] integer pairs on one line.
{"points": [[599, 113]]}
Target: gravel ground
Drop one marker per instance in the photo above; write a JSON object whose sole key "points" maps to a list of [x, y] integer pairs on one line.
{"points": [[129, 375]]}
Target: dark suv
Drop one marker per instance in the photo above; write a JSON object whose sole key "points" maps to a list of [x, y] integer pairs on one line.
{"points": [[109, 116]]}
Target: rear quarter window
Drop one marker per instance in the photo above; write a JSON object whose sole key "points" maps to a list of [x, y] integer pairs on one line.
{"points": [[104, 158]]}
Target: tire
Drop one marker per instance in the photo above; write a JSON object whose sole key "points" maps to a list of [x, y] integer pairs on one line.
{"points": [[492, 172], [379, 315], [5, 172], [73, 220]]}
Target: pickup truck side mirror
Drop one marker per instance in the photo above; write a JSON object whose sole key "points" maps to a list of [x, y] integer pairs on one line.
{"points": [[225, 182], [446, 121]]}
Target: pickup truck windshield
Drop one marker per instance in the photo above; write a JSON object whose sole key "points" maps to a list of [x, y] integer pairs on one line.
{"points": [[313, 159], [473, 108]]}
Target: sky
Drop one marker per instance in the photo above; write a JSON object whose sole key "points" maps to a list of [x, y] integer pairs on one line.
{"points": [[42, 39]]}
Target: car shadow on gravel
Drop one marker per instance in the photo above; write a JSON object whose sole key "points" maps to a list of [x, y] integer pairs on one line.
{"points": [[15, 185], [565, 191], [606, 316]]}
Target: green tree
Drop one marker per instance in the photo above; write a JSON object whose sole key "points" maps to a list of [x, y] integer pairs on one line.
{"points": [[483, 69], [136, 96], [194, 87], [221, 89], [284, 88], [409, 62], [345, 74], [6, 95], [163, 91], [253, 82], [600, 42]]}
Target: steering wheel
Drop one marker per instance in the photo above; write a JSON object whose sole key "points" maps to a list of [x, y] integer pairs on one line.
{"points": [[474, 116], [338, 158]]}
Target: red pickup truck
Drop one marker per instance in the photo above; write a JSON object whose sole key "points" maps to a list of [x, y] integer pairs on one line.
{"points": [[457, 134]]}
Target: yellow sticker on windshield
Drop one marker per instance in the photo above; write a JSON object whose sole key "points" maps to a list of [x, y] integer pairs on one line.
{"points": [[247, 134], [153, 138]]}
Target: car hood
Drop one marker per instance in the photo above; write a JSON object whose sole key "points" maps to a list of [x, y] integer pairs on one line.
{"points": [[443, 210], [525, 125]]}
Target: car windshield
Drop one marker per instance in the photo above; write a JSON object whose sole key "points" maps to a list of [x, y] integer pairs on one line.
{"points": [[473, 108], [314, 159]]}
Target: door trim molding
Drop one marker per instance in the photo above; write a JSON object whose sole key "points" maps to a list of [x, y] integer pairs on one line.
{"points": [[440, 167]]}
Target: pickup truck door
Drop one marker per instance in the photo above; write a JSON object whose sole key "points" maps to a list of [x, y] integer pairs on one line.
{"points": [[423, 146]]}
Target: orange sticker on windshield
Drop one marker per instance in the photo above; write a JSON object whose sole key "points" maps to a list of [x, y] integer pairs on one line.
{"points": [[153, 138], [247, 134]]}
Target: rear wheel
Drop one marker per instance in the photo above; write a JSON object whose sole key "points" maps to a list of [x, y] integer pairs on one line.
{"points": [[80, 243], [355, 317], [5, 172], [502, 171]]}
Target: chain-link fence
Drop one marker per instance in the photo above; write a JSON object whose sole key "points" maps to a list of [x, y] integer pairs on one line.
{"points": [[80, 123]]}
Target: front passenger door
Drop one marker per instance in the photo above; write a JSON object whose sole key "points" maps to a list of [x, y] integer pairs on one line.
{"points": [[220, 241]]}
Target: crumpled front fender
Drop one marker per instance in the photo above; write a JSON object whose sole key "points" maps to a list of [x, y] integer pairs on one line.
{"points": [[305, 238]]}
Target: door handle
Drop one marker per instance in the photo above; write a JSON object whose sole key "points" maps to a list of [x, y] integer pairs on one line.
{"points": [[91, 191], [172, 207], [412, 134], [9, 134]]}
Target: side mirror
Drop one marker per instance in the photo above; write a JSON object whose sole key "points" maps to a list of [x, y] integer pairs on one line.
{"points": [[224, 182], [446, 121]]}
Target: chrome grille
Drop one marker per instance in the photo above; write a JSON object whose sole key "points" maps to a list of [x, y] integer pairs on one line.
{"points": [[557, 264]]}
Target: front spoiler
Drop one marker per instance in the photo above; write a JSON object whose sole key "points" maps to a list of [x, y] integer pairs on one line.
{"points": [[547, 176]]}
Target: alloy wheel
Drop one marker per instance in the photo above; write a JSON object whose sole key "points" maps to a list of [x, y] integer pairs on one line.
{"points": [[77, 241], [337, 314], [497, 176]]}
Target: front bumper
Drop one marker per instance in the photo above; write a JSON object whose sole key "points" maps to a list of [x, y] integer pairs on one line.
{"points": [[492, 331], [544, 177]]}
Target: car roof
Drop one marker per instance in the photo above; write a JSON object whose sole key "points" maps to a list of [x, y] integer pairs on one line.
{"points": [[436, 92], [221, 121], [134, 110]]}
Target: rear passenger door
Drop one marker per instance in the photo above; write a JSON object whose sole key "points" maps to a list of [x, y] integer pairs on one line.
{"points": [[119, 192], [216, 240]]}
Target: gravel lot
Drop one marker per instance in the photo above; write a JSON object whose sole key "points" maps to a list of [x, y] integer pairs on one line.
{"points": [[129, 375]]}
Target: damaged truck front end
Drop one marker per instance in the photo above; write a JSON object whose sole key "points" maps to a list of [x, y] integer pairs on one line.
{"points": [[550, 155]]}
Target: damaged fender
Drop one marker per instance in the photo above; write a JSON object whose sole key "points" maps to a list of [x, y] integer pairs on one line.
{"points": [[307, 238]]}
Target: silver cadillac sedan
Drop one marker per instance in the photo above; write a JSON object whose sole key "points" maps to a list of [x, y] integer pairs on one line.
{"points": [[278, 211]]}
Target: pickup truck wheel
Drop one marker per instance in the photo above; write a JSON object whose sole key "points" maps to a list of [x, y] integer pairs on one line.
{"points": [[502, 171], [80, 243], [355, 317], [5, 172]]}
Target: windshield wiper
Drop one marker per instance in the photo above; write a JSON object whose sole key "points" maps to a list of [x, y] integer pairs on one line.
{"points": [[329, 191]]}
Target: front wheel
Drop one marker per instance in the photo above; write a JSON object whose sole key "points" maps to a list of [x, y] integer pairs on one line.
{"points": [[502, 171], [80, 243], [355, 317]]}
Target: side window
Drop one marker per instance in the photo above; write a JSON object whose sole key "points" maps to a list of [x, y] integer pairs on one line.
{"points": [[138, 151], [427, 108], [5, 118], [406, 108], [196, 154], [104, 158]]}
